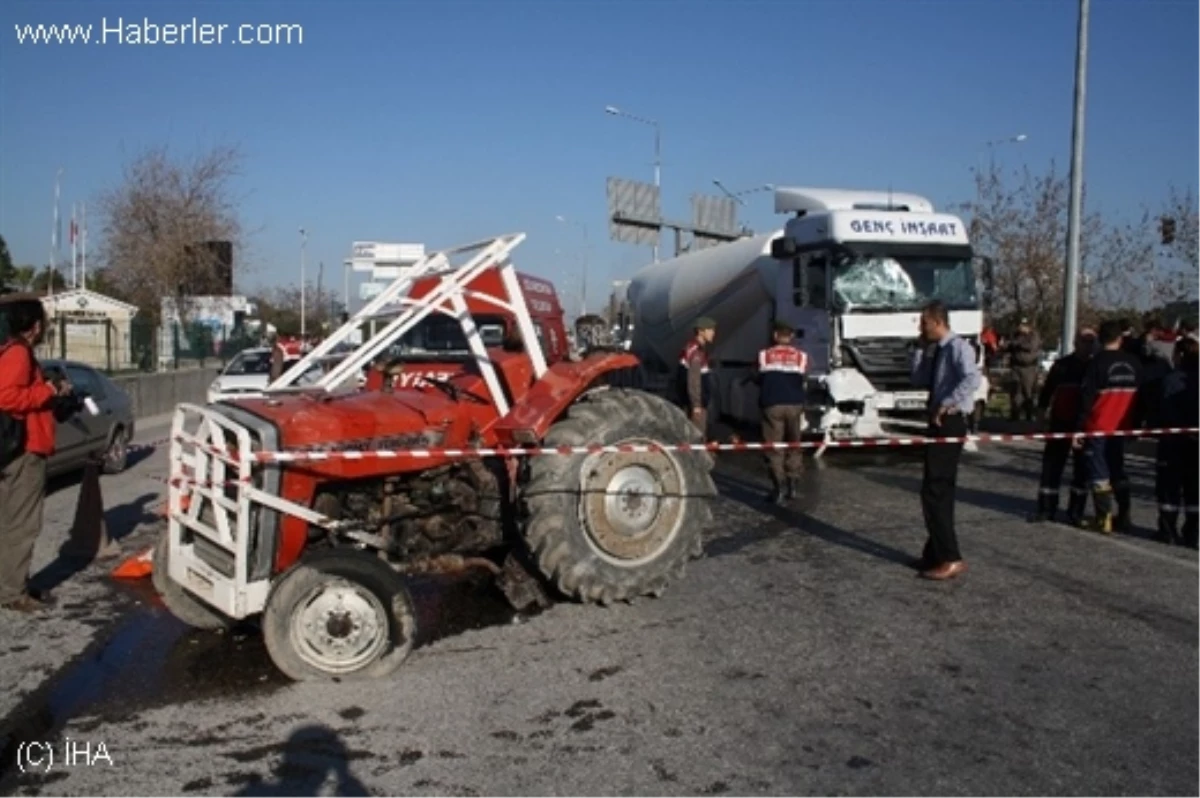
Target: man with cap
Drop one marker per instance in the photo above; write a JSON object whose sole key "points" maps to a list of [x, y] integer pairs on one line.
{"points": [[780, 377], [1024, 351], [694, 383]]}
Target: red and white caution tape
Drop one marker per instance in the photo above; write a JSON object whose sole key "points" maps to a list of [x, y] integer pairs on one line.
{"points": [[540, 451]]}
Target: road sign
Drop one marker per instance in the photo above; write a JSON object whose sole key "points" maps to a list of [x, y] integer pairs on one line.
{"points": [[368, 256], [717, 214], [630, 200]]}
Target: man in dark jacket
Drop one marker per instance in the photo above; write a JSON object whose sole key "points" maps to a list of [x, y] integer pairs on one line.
{"points": [[1059, 399], [1108, 404], [26, 396], [1024, 352], [1179, 455]]}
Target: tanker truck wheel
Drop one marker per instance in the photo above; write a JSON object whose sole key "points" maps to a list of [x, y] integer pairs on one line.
{"points": [[180, 603], [612, 527], [339, 613]]}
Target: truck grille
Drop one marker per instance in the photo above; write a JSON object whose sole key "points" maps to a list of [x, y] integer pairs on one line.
{"points": [[886, 362], [883, 361]]}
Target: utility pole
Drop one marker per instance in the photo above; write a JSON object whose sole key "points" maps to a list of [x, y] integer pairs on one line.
{"points": [[303, 297], [320, 299], [1075, 211], [614, 111]]}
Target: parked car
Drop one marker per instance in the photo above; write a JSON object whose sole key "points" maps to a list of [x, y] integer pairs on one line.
{"points": [[84, 436], [247, 375]]}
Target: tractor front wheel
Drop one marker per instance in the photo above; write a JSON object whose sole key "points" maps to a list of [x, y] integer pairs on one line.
{"points": [[339, 613], [608, 527]]}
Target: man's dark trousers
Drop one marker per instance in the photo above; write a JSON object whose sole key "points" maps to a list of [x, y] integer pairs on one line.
{"points": [[938, 490], [1054, 463]]}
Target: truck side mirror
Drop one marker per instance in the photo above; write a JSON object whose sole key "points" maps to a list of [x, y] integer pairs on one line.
{"points": [[783, 249]]}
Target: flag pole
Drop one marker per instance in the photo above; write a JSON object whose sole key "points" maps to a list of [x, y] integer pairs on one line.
{"points": [[74, 246], [83, 243], [55, 235]]}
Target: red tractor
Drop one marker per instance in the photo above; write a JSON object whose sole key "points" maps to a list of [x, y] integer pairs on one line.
{"points": [[309, 505]]}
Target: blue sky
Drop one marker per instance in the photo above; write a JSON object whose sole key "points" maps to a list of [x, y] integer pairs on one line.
{"points": [[451, 121]]}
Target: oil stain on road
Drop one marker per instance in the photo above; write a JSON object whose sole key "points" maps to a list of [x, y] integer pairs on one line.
{"points": [[149, 660]]}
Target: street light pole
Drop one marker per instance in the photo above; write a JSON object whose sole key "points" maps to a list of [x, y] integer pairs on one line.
{"points": [[614, 111], [584, 269], [303, 278], [1075, 209]]}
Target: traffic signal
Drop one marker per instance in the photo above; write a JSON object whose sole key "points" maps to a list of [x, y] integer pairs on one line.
{"points": [[1166, 226]]}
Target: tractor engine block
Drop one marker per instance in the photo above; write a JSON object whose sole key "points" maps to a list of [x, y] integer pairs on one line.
{"points": [[454, 509]]}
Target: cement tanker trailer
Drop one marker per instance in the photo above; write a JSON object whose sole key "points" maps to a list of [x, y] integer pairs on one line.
{"points": [[850, 271]]}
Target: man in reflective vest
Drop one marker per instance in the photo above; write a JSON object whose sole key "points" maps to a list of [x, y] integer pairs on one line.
{"points": [[694, 383], [1059, 399], [781, 370]]}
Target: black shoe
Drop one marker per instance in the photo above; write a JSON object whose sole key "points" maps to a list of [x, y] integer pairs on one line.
{"points": [[793, 487], [1047, 507], [1168, 528], [1076, 507]]}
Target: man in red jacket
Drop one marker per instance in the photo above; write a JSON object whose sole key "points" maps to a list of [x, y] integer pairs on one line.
{"points": [[1107, 404], [27, 397]]}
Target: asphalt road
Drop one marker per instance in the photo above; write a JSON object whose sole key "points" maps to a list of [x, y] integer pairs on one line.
{"points": [[799, 656]]}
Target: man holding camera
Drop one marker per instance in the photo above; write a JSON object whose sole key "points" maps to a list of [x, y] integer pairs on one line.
{"points": [[28, 401]]}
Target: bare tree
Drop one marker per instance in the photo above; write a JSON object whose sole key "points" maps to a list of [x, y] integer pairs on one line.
{"points": [[1181, 206], [155, 223], [281, 306], [1021, 222]]}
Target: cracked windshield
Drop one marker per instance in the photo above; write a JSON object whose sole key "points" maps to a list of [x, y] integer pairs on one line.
{"points": [[881, 282]]}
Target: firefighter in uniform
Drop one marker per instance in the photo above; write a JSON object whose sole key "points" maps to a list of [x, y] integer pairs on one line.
{"points": [[694, 383], [1179, 455], [1108, 403], [1059, 399], [781, 370]]}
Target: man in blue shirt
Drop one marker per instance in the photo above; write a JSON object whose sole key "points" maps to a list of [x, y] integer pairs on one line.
{"points": [[944, 364]]}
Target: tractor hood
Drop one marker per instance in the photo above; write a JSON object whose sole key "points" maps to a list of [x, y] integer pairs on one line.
{"points": [[373, 419]]}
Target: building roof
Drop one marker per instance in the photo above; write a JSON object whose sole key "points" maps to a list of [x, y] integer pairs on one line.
{"points": [[84, 299]]}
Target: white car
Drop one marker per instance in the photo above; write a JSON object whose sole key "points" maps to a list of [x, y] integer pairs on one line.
{"points": [[247, 375]]}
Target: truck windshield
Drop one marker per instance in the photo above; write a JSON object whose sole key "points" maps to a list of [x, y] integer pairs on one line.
{"points": [[897, 282]]}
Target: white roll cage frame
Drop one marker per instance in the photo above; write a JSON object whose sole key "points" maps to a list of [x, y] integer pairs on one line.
{"points": [[449, 298]]}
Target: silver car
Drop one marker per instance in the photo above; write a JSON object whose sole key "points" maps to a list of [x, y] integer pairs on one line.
{"points": [[105, 436]]}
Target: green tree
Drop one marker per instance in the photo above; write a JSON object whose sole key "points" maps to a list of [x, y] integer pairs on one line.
{"points": [[7, 271]]}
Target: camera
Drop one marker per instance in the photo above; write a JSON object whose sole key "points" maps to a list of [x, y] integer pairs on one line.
{"points": [[70, 405]]}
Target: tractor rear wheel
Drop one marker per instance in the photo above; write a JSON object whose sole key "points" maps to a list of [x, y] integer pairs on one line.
{"points": [[612, 527], [339, 613]]}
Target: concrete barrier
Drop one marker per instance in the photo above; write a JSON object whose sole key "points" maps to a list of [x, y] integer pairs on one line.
{"points": [[158, 393]]}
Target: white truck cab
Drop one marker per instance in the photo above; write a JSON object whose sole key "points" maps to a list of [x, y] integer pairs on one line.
{"points": [[862, 265]]}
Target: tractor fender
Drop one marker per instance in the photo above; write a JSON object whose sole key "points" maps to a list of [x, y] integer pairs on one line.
{"points": [[563, 384]]}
